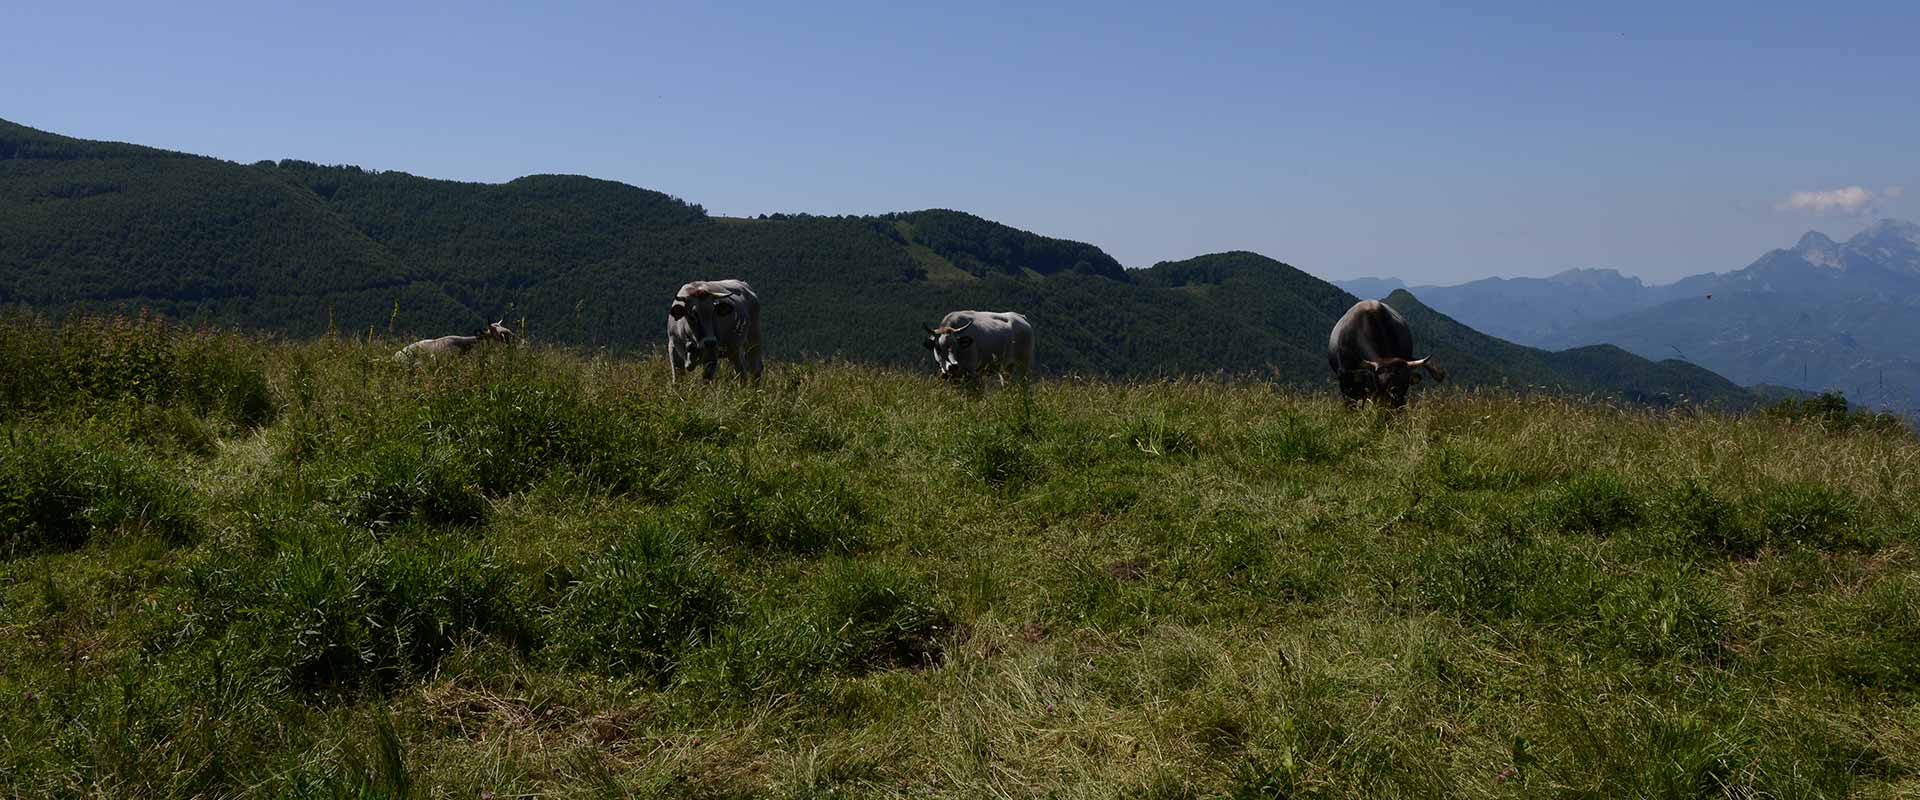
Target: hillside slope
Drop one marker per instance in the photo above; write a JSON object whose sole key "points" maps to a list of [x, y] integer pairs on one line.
{"points": [[293, 246], [540, 573]]}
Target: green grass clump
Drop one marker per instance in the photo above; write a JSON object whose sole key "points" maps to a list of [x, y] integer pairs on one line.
{"points": [[880, 618], [638, 607], [57, 492], [1694, 514], [394, 482], [808, 512], [1590, 504], [338, 615], [1810, 514]]}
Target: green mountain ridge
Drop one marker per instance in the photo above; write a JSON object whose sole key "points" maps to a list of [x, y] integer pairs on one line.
{"points": [[296, 247]]}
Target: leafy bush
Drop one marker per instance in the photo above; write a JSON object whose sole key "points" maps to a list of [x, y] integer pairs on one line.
{"points": [[1831, 410], [59, 494], [639, 606], [105, 361]]}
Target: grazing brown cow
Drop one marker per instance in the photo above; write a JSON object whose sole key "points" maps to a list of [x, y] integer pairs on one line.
{"points": [[495, 332], [1371, 352]]}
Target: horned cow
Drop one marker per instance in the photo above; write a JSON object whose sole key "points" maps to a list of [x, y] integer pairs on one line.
{"points": [[1371, 353], [709, 319], [970, 342]]}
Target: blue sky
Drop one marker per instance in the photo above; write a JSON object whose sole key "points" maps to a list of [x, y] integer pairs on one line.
{"points": [[1433, 144]]}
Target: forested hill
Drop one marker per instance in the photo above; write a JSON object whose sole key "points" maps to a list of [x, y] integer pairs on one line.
{"points": [[295, 247]]}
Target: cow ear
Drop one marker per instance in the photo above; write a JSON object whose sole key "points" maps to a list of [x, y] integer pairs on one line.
{"points": [[722, 309], [1415, 378], [927, 343], [966, 342], [677, 311]]}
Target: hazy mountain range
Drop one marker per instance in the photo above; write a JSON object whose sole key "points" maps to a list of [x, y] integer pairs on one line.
{"points": [[1816, 316]]}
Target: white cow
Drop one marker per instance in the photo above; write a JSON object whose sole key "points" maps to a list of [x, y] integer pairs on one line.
{"points": [[970, 342], [709, 319], [496, 332]]}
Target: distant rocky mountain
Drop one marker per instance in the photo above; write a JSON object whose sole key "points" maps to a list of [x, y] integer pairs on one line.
{"points": [[1578, 296], [1820, 315]]}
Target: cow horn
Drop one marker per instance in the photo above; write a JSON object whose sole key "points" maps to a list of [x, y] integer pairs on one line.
{"points": [[1418, 362], [930, 330], [961, 328], [1370, 364]]}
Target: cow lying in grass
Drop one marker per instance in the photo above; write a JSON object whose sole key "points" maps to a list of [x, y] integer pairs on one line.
{"points": [[1371, 353], [495, 332]]}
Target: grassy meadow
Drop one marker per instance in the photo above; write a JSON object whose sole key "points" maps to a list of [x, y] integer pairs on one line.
{"points": [[233, 567]]}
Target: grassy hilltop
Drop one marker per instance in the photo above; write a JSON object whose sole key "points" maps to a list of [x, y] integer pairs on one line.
{"points": [[244, 568]]}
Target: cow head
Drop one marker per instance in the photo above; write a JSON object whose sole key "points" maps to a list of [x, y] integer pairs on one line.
{"points": [[953, 352], [1394, 376], [498, 332], [708, 312]]}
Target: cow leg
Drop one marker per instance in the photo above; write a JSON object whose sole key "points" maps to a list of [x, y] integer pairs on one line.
{"points": [[739, 362], [673, 361]]}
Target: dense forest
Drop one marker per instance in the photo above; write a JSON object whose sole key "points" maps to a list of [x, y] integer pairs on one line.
{"points": [[300, 249]]}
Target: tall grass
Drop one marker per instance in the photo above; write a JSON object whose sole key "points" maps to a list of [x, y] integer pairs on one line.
{"points": [[248, 568]]}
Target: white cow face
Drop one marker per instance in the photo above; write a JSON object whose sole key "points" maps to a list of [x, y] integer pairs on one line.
{"points": [[704, 315], [953, 354]]}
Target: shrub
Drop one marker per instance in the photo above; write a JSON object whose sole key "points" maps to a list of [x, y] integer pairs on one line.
{"points": [[1592, 504], [640, 605], [58, 494], [1831, 411], [111, 360]]}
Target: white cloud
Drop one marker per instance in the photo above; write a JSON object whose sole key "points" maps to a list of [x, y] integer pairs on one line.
{"points": [[1848, 200], [1893, 192]]}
